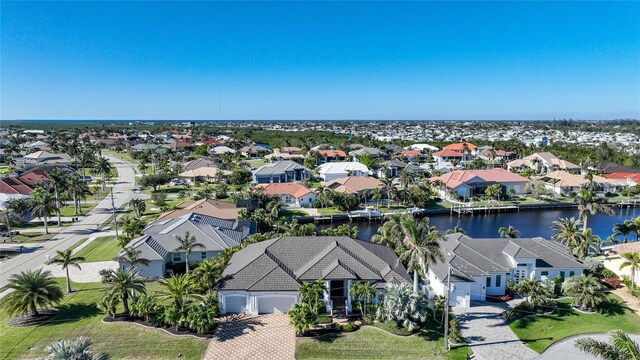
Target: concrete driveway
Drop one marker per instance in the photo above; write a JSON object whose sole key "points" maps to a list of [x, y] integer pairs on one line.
{"points": [[488, 335], [566, 350], [241, 336]]}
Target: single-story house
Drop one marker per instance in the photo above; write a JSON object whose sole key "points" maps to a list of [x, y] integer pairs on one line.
{"points": [[610, 168], [291, 193], [423, 147], [265, 277], [219, 150], [480, 268], [280, 171], [563, 183], [158, 242], [543, 162], [335, 170], [471, 183], [13, 185], [254, 151], [496, 155], [373, 152], [328, 155], [460, 147], [613, 259], [204, 174], [43, 157], [209, 207], [353, 184], [198, 163], [392, 169]]}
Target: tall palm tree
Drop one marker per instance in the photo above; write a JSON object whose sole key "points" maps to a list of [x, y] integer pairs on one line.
{"points": [[590, 204], [509, 232], [65, 259], [635, 223], [125, 281], [57, 180], [78, 189], [422, 246], [139, 206], [32, 290], [8, 216], [102, 166], [311, 292], [587, 241], [406, 178], [567, 232], [187, 244], [208, 274], [43, 204], [131, 257], [631, 260], [620, 348], [387, 185], [623, 229], [389, 233]]}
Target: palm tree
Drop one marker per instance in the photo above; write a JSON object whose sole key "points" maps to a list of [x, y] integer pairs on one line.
{"points": [[567, 232], [32, 290], [590, 204], [624, 229], [102, 166], [187, 244], [389, 233], [635, 223], [77, 349], [78, 189], [585, 291], [131, 257], [587, 241], [406, 178], [363, 291], [139, 206], [57, 179], [65, 259], [44, 203], [125, 281], [208, 274], [422, 246], [455, 230], [8, 216], [620, 348], [311, 292], [376, 195], [534, 291], [509, 232], [178, 288], [387, 185], [631, 260]]}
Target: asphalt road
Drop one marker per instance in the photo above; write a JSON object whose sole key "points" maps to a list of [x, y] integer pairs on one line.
{"points": [[35, 256]]}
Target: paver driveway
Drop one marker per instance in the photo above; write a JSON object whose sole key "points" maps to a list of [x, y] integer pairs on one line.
{"points": [[488, 335], [253, 337]]}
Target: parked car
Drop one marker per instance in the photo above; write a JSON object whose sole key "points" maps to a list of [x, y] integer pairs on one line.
{"points": [[87, 178], [175, 182]]}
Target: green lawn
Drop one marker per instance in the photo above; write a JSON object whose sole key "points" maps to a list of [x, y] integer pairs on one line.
{"points": [[542, 331], [373, 343], [33, 237], [121, 155], [79, 316], [4, 170], [329, 211], [291, 213], [104, 248], [70, 211]]}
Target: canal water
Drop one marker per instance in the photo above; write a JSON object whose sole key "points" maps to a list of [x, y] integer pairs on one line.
{"points": [[530, 223]]}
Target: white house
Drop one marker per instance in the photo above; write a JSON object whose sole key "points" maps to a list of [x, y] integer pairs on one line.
{"points": [[292, 194], [480, 268], [336, 170]]}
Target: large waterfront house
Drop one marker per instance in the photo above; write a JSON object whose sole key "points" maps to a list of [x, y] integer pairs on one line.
{"points": [[480, 268], [209, 207], [265, 277], [392, 168], [159, 244], [353, 185], [291, 194], [564, 183], [469, 183], [280, 172], [543, 162], [336, 170]]}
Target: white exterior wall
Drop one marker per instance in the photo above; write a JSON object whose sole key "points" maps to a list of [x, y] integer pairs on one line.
{"points": [[154, 269], [253, 297]]}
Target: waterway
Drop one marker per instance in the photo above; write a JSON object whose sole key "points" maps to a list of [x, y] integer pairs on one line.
{"points": [[530, 223]]}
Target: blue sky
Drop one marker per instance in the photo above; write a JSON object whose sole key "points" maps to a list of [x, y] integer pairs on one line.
{"points": [[325, 60]]}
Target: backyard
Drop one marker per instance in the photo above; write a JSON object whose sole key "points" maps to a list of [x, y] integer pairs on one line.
{"points": [[373, 343], [79, 316], [542, 331]]}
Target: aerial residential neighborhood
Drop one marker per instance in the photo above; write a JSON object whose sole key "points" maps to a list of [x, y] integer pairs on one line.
{"points": [[206, 180]]}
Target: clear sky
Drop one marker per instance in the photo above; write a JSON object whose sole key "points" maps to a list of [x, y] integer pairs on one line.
{"points": [[326, 60]]}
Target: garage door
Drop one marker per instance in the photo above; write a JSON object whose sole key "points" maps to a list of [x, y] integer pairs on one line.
{"points": [[275, 304], [235, 304], [476, 292], [457, 298]]}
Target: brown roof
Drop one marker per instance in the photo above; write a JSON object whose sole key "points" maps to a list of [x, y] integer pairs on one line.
{"points": [[34, 177], [624, 248], [456, 178], [12, 185], [353, 184], [209, 207], [294, 189]]}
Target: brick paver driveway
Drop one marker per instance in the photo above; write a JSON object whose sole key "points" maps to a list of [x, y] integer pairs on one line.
{"points": [[253, 337], [488, 336]]}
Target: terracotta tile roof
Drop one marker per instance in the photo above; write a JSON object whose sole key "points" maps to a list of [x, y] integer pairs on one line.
{"points": [[34, 177], [624, 248], [353, 184], [332, 153], [12, 185], [632, 176], [456, 178], [294, 189], [448, 153], [410, 153], [209, 207], [458, 146]]}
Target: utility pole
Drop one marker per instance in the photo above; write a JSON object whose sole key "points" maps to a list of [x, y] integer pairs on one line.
{"points": [[115, 219], [446, 310]]}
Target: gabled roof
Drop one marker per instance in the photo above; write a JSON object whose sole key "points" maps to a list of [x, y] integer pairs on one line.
{"points": [[34, 177], [448, 153], [353, 184], [279, 167], [294, 189], [208, 207], [282, 264]]}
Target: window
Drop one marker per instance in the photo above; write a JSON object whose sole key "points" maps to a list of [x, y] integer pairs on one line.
{"points": [[562, 275], [176, 257], [498, 279], [572, 273], [544, 273], [203, 255], [489, 281]]}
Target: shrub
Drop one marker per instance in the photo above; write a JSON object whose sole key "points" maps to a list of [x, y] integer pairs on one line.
{"points": [[557, 285], [510, 287], [369, 317], [609, 274], [612, 282], [348, 327], [400, 304], [593, 266], [302, 317], [324, 319], [393, 328], [454, 331], [626, 281]]}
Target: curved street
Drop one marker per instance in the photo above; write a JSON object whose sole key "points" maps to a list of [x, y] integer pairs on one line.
{"points": [[35, 255]]}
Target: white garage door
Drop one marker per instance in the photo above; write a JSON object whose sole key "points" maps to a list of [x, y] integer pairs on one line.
{"points": [[235, 304], [476, 292], [457, 298], [275, 304]]}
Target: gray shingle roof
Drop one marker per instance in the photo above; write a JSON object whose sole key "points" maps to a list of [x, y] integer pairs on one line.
{"points": [[279, 167], [310, 258]]}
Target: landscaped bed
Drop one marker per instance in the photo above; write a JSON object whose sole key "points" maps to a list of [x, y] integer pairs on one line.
{"points": [[540, 332], [77, 316]]}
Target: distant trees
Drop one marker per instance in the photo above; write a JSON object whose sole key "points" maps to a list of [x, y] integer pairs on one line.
{"points": [[509, 232]]}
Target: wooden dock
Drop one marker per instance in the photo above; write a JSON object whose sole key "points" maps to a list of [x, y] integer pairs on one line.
{"points": [[470, 209]]}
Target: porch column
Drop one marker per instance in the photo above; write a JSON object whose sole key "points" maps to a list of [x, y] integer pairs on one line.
{"points": [[326, 296], [348, 302]]}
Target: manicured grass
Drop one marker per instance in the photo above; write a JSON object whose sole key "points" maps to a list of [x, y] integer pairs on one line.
{"points": [[542, 331], [392, 327], [373, 343], [32, 237], [289, 213], [104, 248], [70, 211], [122, 155], [329, 211], [256, 163], [79, 316]]}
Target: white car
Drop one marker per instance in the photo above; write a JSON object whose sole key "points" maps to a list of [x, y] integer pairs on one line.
{"points": [[175, 182]]}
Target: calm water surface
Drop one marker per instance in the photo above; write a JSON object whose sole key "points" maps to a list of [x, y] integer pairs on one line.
{"points": [[530, 223]]}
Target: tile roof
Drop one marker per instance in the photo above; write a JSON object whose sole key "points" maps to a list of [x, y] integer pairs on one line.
{"points": [[279, 167], [12, 185], [353, 184], [448, 153], [294, 189], [458, 146], [623, 248], [459, 177], [208, 207]]}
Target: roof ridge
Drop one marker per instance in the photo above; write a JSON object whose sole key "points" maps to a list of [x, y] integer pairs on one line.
{"points": [[330, 246], [468, 247], [364, 263]]}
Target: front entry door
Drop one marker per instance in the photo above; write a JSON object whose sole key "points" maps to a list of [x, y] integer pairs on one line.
{"points": [[521, 274]]}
